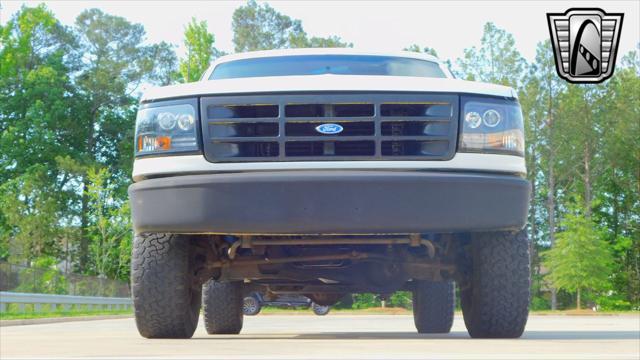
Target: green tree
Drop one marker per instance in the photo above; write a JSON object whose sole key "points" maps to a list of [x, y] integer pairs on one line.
{"points": [[581, 259], [200, 51], [34, 91], [115, 62], [261, 27], [426, 50], [32, 216], [109, 227], [68, 102], [328, 42], [581, 135], [496, 61], [164, 59], [617, 188], [539, 97], [36, 125]]}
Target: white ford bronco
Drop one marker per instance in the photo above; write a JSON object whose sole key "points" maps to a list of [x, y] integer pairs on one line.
{"points": [[325, 172]]}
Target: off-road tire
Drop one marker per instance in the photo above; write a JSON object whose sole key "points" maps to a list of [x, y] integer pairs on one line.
{"points": [[166, 302], [433, 306], [222, 303], [495, 300]]}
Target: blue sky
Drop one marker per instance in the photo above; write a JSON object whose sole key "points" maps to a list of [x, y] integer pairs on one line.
{"points": [[447, 26]]}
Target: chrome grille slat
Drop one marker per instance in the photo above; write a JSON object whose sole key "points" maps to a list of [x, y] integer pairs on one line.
{"points": [[241, 120], [415, 118], [411, 126], [243, 139]]}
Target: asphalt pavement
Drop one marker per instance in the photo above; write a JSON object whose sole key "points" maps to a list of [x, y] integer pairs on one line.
{"points": [[331, 337]]}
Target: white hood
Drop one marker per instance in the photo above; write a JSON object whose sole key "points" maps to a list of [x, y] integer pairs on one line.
{"points": [[326, 82]]}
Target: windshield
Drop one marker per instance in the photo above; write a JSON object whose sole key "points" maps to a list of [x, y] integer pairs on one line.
{"points": [[327, 64]]}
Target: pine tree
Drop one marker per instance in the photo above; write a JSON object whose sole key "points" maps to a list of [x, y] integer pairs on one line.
{"points": [[581, 259]]}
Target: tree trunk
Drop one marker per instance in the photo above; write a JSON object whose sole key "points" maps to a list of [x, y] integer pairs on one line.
{"points": [[551, 210], [84, 216], [84, 223], [578, 299], [587, 181], [551, 195]]}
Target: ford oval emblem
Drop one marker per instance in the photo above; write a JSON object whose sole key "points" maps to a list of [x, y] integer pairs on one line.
{"points": [[329, 129]]}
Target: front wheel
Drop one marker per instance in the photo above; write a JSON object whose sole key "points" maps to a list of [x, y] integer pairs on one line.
{"points": [[165, 299], [495, 299]]}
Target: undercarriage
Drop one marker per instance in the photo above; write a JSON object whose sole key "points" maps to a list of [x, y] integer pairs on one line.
{"points": [[327, 267]]}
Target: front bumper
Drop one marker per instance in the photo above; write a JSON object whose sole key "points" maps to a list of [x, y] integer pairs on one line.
{"points": [[330, 202]]}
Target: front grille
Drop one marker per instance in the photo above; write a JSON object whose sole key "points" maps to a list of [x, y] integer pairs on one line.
{"points": [[373, 127]]}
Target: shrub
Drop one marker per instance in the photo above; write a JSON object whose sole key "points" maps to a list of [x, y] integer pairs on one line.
{"points": [[540, 303], [613, 303]]}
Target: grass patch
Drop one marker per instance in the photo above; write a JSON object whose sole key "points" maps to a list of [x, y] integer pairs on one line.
{"points": [[49, 311], [284, 311], [72, 313], [584, 312]]}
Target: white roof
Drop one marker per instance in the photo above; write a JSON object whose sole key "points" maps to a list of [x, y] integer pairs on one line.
{"points": [[316, 51]]}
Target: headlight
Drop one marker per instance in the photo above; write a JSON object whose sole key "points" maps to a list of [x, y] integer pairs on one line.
{"points": [[491, 118], [492, 126], [166, 120], [185, 122], [472, 119], [166, 129]]}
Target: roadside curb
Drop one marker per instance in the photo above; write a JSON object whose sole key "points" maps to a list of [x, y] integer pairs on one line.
{"points": [[4, 323]]}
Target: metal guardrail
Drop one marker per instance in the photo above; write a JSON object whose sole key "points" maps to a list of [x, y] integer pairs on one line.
{"points": [[37, 300]]}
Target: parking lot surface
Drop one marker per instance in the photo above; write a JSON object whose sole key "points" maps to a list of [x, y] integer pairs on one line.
{"points": [[331, 337]]}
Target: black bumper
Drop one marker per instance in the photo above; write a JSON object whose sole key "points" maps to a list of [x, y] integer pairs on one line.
{"points": [[330, 202]]}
